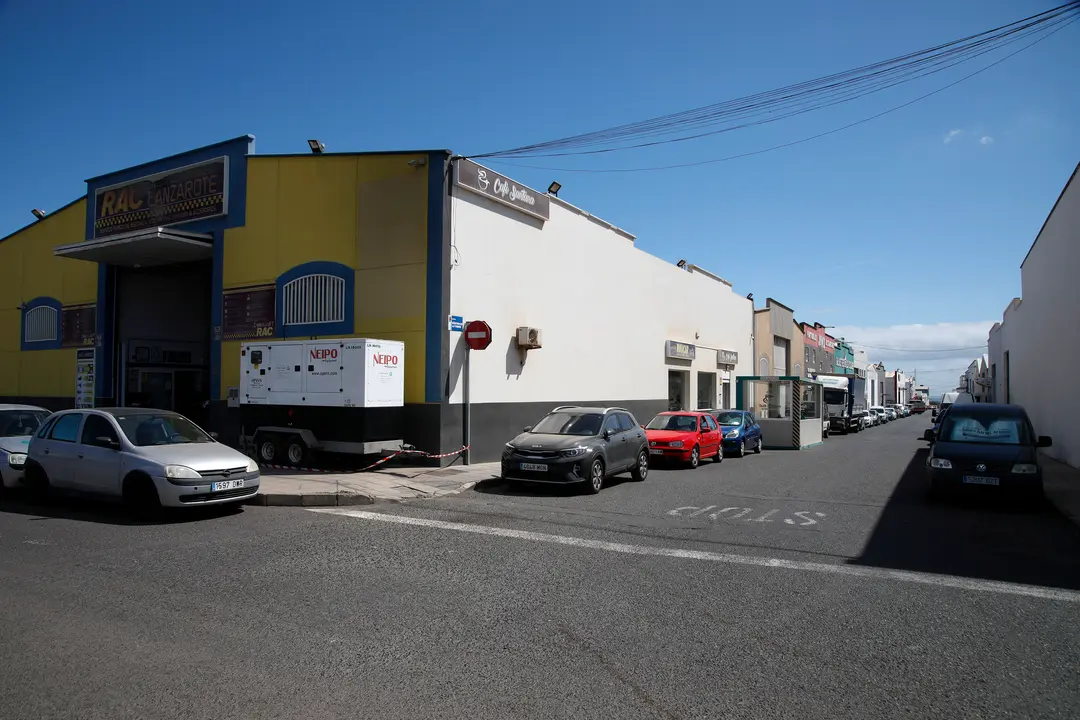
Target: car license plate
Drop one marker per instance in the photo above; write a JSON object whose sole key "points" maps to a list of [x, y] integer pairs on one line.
{"points": [[227, 485], [654, 451], [535, 467], [979, 480]]}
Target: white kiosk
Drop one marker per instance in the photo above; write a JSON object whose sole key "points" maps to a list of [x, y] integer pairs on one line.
{"points": [[788, 409]]}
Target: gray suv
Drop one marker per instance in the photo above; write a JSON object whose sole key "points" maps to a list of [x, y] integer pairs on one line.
{"points": [[574, 444]]}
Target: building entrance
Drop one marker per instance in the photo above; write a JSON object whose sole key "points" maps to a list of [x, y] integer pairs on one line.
{"points": [[163, 329]]}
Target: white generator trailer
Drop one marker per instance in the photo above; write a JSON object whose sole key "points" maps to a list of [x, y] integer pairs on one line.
{"points": [[343, 395]]}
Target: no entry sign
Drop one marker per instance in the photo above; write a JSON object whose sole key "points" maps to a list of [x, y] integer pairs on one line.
{"points": [[477, 334]]}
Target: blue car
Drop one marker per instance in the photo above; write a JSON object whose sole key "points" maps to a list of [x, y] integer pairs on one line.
{"points": [[740, 430]]}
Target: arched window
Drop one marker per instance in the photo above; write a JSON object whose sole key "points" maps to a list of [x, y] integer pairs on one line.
{"points": [[41, 324], [316, 298], [763, 367]]}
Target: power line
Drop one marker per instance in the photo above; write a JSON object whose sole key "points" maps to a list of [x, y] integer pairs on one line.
{"points": [[494, 159], [775, 105], [915, 350]]}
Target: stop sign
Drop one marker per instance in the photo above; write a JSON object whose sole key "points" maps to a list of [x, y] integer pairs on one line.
{"points": [[477, 334]]}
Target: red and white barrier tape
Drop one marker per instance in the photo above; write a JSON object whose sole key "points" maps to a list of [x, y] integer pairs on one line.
{"points": [[378, 462]]}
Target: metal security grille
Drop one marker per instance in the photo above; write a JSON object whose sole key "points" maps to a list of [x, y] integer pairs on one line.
{"points": [[314, 299], [41, 324]]}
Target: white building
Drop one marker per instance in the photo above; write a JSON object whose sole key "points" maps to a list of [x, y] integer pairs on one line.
{"points": [[875, 383], [1030, 348], [976, 379], [615, 326]]}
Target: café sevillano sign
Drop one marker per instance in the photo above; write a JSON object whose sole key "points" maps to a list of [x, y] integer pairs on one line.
{"points": [[175, 196]]}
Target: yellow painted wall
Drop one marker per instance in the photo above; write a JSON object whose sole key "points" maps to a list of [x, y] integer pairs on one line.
{"points": [[28, 269], [368, 212]]}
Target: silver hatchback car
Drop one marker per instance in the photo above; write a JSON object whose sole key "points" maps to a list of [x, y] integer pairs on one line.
{"points": [[148, 457]]}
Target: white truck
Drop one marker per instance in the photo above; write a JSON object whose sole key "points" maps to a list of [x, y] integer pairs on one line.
{"points": [[299, 397]]}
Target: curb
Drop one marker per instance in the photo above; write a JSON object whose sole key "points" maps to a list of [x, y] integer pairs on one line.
{"points": [[310, 499], [336, 499]]}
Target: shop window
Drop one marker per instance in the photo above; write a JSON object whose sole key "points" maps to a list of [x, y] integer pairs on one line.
{"points": [[41, 324], [706, 390], [316, 298]]}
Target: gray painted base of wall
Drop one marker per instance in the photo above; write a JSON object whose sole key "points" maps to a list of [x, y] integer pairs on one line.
{"points": [[431, 427], [495, 424]]}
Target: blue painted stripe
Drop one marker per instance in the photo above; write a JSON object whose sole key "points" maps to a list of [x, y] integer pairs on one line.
{"points": [[217, 282], [103, 367], [435, 313]]}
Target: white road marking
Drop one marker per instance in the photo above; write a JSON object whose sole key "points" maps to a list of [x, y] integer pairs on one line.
{"points": [[859, 571], [764, 518]]}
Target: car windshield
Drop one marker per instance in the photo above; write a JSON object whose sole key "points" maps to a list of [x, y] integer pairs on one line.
{"points": [[164, 428], [566, 423], [729, 419], [16, 423], [985, 428], [680, 423]]}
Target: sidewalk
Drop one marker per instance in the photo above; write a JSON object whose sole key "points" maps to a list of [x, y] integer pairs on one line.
{"points": [[1062, 484], [393, 484]]}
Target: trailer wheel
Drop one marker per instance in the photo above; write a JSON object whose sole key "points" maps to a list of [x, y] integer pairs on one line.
{"points": [[266, 448], [296, 450]]}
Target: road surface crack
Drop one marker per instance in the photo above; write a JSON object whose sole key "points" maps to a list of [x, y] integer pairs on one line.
{"points": [[613, 670]]}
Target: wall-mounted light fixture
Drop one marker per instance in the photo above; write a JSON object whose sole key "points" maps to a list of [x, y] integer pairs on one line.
{"points": [[681, 263], [749, 296], [316, 146], [38, 213], [418, 162], [554, 188]]}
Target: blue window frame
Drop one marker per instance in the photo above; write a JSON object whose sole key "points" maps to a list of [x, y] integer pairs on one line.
{"points": [[39, 326], [316, 298]]}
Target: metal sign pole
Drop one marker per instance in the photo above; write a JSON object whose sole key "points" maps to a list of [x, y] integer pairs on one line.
{"points": [[466, 409]]}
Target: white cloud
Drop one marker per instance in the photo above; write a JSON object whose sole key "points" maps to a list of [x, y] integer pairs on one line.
{"points": [[986, 140], [937, 353], [952, 134]]}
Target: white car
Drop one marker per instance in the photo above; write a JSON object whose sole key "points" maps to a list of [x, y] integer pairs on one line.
{"points": [[17, 426], [882, 416], [148, 457]]}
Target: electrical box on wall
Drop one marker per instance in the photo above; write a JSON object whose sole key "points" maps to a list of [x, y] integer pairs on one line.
{"points": [[529, 337]]}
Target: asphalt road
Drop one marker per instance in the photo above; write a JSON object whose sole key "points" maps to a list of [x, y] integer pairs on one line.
{"points": [[787, 584]]}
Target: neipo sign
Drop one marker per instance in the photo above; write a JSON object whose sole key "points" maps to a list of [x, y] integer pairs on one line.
{"points": [[501, 189], [324, 354], [385, 359]]}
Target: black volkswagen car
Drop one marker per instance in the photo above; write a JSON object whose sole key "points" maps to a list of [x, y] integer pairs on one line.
{"points": [[574, 444], [986, 445]]}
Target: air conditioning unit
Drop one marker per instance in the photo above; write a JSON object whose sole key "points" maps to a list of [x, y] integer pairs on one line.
{"points": [[529, 337]]}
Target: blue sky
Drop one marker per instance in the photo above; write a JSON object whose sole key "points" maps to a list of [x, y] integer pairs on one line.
{"points": [[882, 225]]}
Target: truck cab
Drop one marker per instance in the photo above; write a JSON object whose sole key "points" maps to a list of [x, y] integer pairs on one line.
{"points": [[844, 397]]}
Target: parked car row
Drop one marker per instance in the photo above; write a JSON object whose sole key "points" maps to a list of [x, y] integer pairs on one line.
{"points": [[880, 414], [149, 458], [588, 445]]}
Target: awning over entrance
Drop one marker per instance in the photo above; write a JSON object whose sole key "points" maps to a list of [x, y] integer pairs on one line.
{"points": [[142, 248]]}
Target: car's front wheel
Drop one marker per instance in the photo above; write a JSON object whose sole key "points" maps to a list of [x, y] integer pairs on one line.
{"points": [[596, 476], [640, 470]]}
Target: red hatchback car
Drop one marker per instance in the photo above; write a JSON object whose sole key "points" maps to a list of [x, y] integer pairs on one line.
{"points": [[685, 436]]}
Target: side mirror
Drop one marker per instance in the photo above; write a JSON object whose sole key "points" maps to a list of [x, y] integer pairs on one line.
{"points": [[928, 435], [214, 435], [1044, 441], [107, 442], [527, 428], [607, 434]]}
